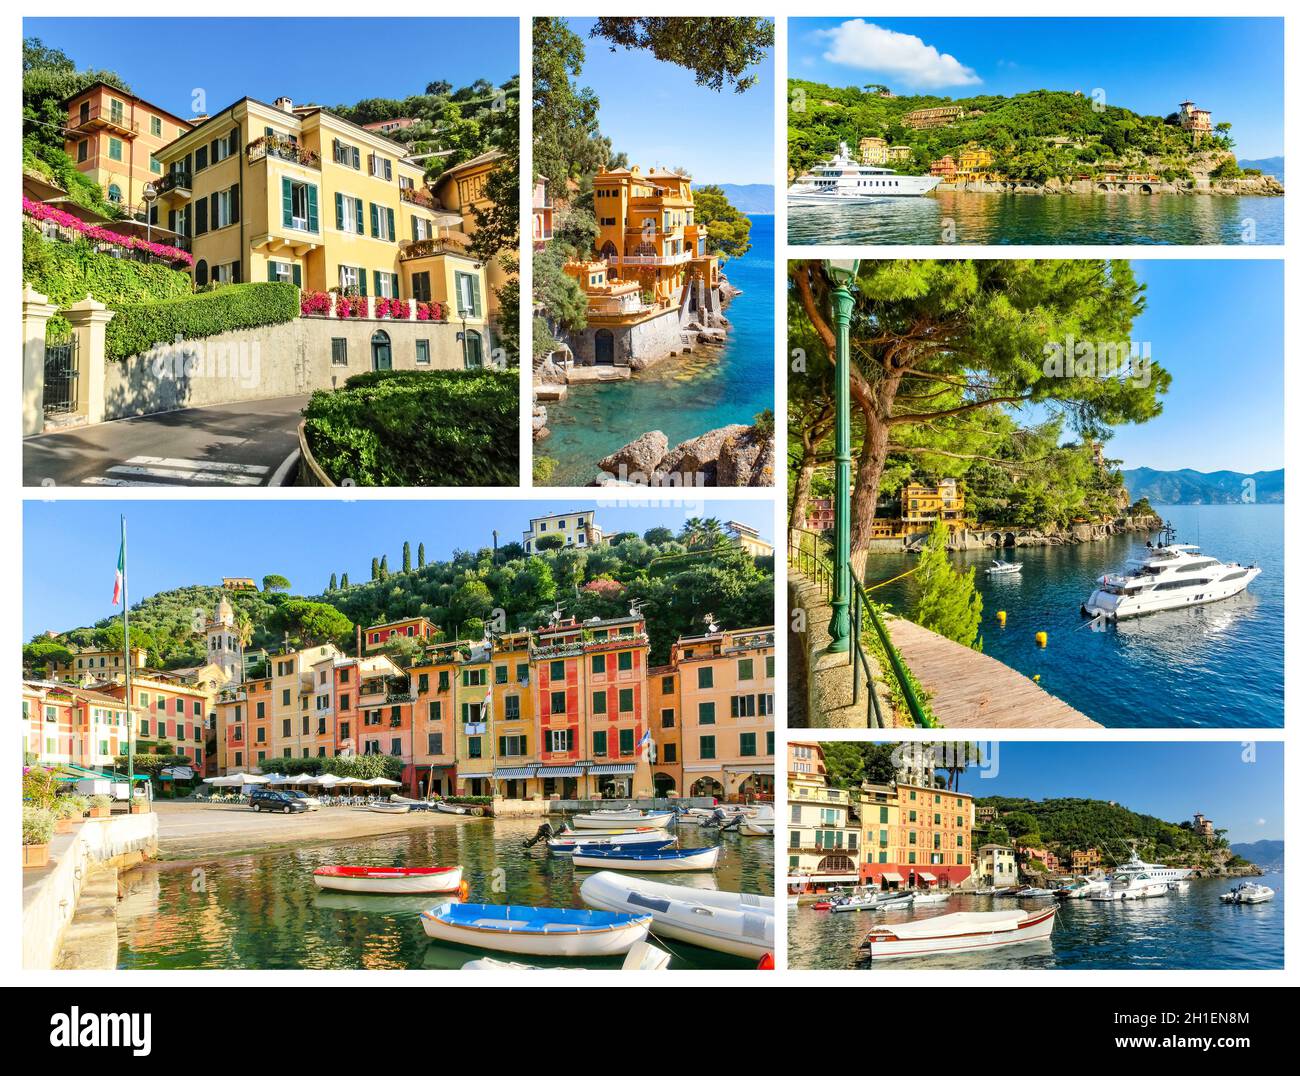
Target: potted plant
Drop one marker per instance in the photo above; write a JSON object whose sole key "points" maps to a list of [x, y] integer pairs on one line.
{"points": [[101, 806], [66, 811], [139, 805], [38, 828]]}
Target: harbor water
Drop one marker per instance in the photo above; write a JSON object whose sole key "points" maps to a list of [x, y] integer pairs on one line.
{"points": [[1218, 665], [264, 910], [683, 396], [1185, 929], [960, 217]]}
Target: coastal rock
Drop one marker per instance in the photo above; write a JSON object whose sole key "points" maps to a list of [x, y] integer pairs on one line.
{"points": [[698, 457], [747, 460], [640, 457]]}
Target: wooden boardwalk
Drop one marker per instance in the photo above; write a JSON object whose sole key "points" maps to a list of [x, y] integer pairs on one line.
{"points": [[972, 690]]}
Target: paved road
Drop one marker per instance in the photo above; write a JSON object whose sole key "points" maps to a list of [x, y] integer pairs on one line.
{"points": [[245, 444]]}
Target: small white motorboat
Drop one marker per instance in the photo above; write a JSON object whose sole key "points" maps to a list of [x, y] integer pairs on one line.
{"points": [[641, 957], [565, 843], [450, 808], [1247, 893], [960, 932], [1031, 891], [623, 819], [389, 808], [1132, 887], [1003, 567], [742, 924], [511, 928], [874, 902], [391, 880], [758, 827], [643, 858], [929, 898]]}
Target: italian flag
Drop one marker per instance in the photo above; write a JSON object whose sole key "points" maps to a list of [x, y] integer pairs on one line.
{"points": [[121, 568]]}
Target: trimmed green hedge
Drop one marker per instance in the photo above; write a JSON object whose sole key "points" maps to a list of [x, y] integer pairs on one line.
{"points": [[68, 272], [419, 428], [137, 327]]}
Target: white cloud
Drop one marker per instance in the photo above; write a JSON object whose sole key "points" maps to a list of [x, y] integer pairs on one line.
{"points": [[1260, 822], [891, 55]]}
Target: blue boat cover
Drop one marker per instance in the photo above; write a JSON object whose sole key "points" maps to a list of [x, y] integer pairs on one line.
{"points": [[521, 919]]}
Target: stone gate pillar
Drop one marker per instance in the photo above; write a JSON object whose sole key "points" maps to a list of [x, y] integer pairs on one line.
{"points": [[37, 310], [89, 319]]}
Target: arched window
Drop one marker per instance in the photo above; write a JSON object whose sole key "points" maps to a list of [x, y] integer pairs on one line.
{"points": [[115, 194], [200, 272], [473, 350], [381, 351]]}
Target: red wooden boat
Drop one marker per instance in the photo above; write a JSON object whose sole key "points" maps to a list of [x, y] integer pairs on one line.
{"points": [[392, 879]]}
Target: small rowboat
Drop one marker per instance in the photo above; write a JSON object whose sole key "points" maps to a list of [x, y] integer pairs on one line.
{"points": [[389, 808], [875, 902], [450, 808], [512, 928], [929, 898], [564, 843], [742, 924], [390, 879], [961, 932], [641, 957], [622, 819], [640, 858]]}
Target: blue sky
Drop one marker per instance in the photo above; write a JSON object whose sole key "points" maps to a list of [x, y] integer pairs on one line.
{"points": [[1169, 780], [1231, 66], [658, 116], [166, 60], [1217, 327], [70, 547]]}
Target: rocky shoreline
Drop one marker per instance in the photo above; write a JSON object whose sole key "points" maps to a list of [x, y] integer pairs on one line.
{"points": [[1075, 534], [736, 455], [1241, 186]]}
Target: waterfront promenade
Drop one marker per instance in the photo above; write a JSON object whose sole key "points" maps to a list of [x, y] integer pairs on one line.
{"points": [[972, 690]]}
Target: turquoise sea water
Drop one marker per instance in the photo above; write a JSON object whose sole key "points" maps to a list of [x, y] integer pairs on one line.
{"points": [[264, 910], [684, 397], [1216, 665], [1031, 219], [1186, 929]]}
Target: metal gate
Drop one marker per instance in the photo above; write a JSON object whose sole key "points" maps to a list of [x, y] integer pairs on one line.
{"points": [[60, 376]]}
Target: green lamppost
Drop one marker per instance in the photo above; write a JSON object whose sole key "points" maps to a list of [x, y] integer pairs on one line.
{"points": [[842, 274]]}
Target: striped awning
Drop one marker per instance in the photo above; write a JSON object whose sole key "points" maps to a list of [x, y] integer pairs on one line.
{"points": [[513, 773], [927, 877], [890, 876], [559, 771], [612, 769]]}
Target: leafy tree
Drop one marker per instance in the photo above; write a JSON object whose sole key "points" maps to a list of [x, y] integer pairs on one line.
{"points": [[949, 602], [374, 568], [717, 50], [658, 536], [566, 130], [275, 583], [938, 340], [550, 541], [315, 622], [383, 566], [728, 226], [40, 655]]}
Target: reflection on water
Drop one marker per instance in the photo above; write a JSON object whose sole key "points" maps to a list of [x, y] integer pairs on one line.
{"points": [[1214, 665], [1027, 219], [683, 396], [1186, 929], [264, 911]]}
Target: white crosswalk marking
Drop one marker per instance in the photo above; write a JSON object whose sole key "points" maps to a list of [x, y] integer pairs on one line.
{"points": [[164, 471]]}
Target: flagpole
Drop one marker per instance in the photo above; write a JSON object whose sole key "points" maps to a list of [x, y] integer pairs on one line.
{"points": [[130, 715]]}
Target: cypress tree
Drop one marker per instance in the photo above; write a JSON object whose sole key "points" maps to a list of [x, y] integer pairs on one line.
{"points": [[345, 580], [420, 555], [406, 558], [334, 581], [374, 568]]}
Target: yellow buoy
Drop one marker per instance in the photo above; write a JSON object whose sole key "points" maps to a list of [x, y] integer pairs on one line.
{"points": [[1037, 678], [1002, 617], [1041, 638]]}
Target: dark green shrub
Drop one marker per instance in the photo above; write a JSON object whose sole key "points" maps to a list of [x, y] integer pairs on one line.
{"points": [[419, 428], [137, 327]]}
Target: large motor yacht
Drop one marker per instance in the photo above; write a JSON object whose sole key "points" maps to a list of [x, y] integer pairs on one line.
{"points": [[842, 180], [1171, 576], [1155, 871]]}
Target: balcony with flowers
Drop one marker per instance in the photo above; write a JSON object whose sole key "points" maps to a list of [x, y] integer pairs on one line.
{"points": [[349, 304], [62, 225], [282, 148]]}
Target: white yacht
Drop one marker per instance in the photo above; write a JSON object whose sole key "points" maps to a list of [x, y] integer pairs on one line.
{"points": [[1171, 576], [1156, 871], [1138, 886], [842, 180]]}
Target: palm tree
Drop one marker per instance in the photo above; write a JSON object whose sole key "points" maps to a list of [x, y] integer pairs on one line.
{"points": [[703, 532]]}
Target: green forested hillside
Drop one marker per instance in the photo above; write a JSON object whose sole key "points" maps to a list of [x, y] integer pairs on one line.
{"points": [[1015, 129], [676, 579]]}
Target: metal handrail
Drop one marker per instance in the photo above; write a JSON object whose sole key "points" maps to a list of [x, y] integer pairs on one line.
{"points": [[822, 572]]}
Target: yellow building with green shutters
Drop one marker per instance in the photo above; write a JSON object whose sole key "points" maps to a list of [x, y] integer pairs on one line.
{"points": [[475, 750], [297, 194]]}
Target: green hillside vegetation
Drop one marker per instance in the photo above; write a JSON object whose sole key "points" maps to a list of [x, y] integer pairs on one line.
{"points": [[677, 578], [1061, 825], [1015, 129]]}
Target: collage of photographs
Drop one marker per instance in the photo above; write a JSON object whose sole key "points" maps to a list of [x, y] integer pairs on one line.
{"points": [[846, 536]]}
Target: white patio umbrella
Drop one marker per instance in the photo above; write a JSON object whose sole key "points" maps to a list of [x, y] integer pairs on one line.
{"points": [[384, 782], [329, 780], [306, 779], [236, 780]]}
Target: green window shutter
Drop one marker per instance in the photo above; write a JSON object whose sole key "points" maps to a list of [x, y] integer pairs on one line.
{"points": [[286, 192], [297, 274], [313, 215], [374, 219], [338, 211], [478, 301], [392, 228], [270, 271], [356, 157], [361, 217], [234, 204], [361, 277], [397, 286]]}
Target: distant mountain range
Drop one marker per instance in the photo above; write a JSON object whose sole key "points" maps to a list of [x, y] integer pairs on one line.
{"points": [[1266, 854], [1270, 166], [748, 197], [1198, 487]]}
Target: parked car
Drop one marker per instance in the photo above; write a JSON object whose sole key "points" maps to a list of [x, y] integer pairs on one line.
{"points": [[313, 804], [272, 799]]}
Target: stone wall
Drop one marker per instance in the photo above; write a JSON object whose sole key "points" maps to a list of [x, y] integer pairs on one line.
{"points": [[290, 359]]}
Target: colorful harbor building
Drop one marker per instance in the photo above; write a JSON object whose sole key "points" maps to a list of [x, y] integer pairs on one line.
{"points": [[1193, 119], [419, 628], [997, 866], [63, 723], [823, 835], [665, 730], [651, 283], [114, 138], [576, 529]]}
